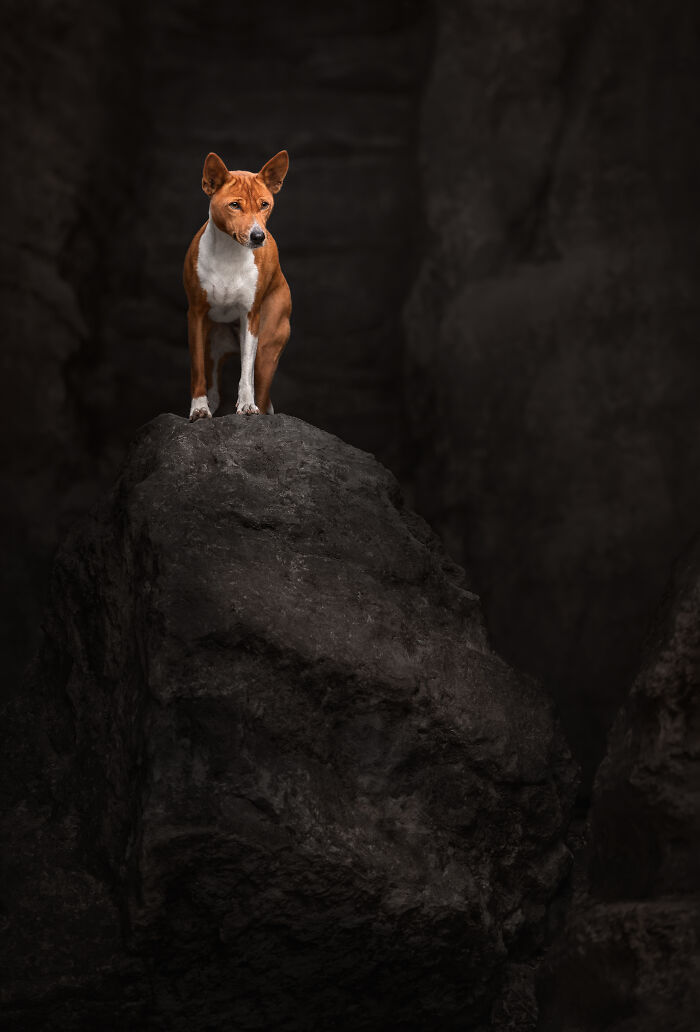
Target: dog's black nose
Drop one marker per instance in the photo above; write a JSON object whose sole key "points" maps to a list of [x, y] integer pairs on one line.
{"points": [[256, 236]]}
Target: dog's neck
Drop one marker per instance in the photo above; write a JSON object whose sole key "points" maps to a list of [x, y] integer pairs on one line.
{"points": [[221, 245]]}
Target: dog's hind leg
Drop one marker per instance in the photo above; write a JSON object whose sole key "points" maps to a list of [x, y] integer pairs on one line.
{"points": [[274, 333], [223, 341]]}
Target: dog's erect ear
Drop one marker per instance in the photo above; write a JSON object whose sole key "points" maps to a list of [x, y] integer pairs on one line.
{"points": [[214, 174], [273, 171]]}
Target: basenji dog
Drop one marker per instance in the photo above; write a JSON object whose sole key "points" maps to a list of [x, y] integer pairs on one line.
{"points": [[238, 297]]}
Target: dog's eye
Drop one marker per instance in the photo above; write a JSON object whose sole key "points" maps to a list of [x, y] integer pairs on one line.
{"points": [[234, 204], [264, 204]]}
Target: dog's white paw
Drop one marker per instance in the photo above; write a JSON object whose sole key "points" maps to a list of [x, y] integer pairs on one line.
{"points": [[245, 406], [199, 409]]}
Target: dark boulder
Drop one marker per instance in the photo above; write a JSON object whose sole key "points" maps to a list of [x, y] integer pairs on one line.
{"points": [[268, 773]]}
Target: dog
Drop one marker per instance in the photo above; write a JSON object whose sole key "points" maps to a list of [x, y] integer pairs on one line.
{"points": [[238, 297]]}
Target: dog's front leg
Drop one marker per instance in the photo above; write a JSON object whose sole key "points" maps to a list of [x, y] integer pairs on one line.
{"points": [[197, 328], [246, 391]]}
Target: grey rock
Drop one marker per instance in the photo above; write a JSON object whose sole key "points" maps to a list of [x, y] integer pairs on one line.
{"points": [[268, 772]]}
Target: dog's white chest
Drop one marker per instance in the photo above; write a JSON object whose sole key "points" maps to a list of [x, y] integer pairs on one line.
{"points": [[228, 273]]}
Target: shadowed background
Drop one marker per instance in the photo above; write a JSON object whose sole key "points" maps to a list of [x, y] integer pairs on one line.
{"points": [[490, 230]]}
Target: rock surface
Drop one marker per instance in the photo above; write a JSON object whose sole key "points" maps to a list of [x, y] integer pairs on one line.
{"points": [[268, 772], [630, 961]]}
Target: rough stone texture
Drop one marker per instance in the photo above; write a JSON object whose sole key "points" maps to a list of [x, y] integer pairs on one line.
{"points": [[630, 960], [268, 772], [552, 366], [107, 114]]}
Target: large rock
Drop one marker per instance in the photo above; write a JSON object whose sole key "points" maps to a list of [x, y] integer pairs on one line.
{"points": [[268, 772], [630, 959]]}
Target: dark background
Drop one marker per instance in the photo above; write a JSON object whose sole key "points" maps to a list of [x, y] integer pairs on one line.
{"points": [[490, 230]]}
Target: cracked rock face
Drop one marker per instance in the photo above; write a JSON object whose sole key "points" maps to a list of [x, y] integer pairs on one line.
{"points": [[268, 772], [631, 954]]}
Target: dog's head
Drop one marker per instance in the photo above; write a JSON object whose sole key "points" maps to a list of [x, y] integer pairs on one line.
{"points": [[241, 202]]}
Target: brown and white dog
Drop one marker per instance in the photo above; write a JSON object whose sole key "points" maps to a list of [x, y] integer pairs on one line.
{"points": [[236, 291]]}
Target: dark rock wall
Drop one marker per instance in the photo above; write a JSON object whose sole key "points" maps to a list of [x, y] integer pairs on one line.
{"points": [[630, 956], [66, 126], [111, 111], [553, 368]]}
